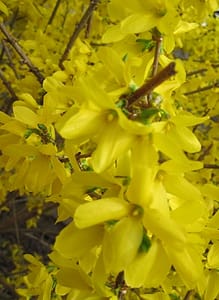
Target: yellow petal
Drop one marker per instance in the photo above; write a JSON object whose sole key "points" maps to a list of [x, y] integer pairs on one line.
{"points": [[26, 115], [185, 139], [164, 227], [179, 186], [113, 34], [188, 265], [99, 211], [167, 145], [82, 125], [74, 243], [213, 256], [121, 244], [71, 278], [144, 162], [113, 142], [138, 23], [148, 269], [179, 167], [188, 120], [212, 289], [3, 8], [113, 62]]}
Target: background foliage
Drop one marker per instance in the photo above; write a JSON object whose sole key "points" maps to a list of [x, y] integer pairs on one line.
{"points": [[109, 150]]}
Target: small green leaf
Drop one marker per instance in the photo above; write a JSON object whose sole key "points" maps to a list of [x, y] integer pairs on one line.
{"points": [[28, 133], [133, 87], [174, 297], [125, 57], [121, 103], [146, 44], [145, 243], [42, 127], [147, 113]]}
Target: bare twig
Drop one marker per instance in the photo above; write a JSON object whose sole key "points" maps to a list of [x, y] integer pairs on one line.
{"points": [[158, 40], [58, 2], [8, 287], [8, 86], [152, 83], [22, 54], [211, 166], [205, 152], [200, 71], [9, 56], [32, 236], [188, 295], [15, 222], [77, 30], [88, 27], [205, 88]]}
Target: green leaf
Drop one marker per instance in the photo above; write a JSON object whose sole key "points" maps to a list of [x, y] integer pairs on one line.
{"points": [[145, 243], [174, 297], [28, 133], [42, 127], [147, 113], [146, 44]]}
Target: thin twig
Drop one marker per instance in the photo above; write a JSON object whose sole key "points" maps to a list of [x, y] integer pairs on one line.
{"points": [[188, 295], [15, 222], [196, 72], [205, 152], [47, 245], [158, 40], [8, 287], [9, 56], [211, 166], [22, 54], [88, 26], [58, 2], [152, 83], [205, 88], [77, 30], [8, 86]]}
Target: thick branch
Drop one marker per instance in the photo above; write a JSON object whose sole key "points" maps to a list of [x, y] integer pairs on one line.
{"points": [[22, 54], [77, 31], [151, 84]]}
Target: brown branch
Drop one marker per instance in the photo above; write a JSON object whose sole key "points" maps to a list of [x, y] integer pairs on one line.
{"points": [[205, 88], [22, 54], [211, 166], [158, 40], [188, 295], [58, 2], [88, 27], [8, 86], [152, 83], [196, 72], [9, 56], [78, 28], [205, 152], [8, 287]]}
